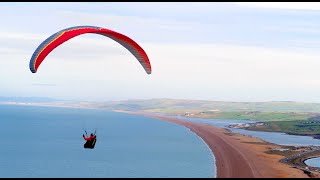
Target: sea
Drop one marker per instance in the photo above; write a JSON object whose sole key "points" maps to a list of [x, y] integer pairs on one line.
{"points": [[47, 142]]}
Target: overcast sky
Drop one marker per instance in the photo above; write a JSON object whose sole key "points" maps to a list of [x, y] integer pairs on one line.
{"points": [[214, 51]]}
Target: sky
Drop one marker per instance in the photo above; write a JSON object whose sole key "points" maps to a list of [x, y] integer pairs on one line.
{"points": [[222, 51]]}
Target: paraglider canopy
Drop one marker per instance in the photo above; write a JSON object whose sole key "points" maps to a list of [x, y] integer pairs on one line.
{"points": [[64, 35]]}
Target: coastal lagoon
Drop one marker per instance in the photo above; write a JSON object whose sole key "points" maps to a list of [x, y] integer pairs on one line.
{"points": [[47, 142], [314, 162], [273, 137]]}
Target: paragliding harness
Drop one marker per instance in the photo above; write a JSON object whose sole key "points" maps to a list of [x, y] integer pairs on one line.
{"points": [[91, 142]]}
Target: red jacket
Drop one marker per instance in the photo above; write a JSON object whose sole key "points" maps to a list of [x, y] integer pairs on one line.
{"points": [[89, 138]]}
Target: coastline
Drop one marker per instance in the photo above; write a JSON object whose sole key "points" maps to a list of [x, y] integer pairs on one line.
{"points": [[236, 155]]}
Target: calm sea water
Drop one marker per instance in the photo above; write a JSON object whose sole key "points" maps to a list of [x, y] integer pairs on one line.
{"points": [[47, 142], [315, 162]]}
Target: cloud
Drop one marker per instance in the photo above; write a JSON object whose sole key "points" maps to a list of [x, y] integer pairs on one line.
{"points": [[228, 54], [283, 5], [38, 84], [184, 23], [194, 70]]}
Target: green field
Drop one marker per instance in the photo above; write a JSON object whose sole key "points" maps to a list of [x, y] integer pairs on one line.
{"points": [[256, 115], [290, 127], [180, 105], [287, 117]]}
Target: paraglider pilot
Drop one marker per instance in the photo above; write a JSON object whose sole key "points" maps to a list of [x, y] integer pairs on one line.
{"points": [[91, 141]]}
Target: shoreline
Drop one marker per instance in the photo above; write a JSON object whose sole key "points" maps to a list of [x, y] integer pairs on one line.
{"points": [[237, 155], [95, 108]]}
